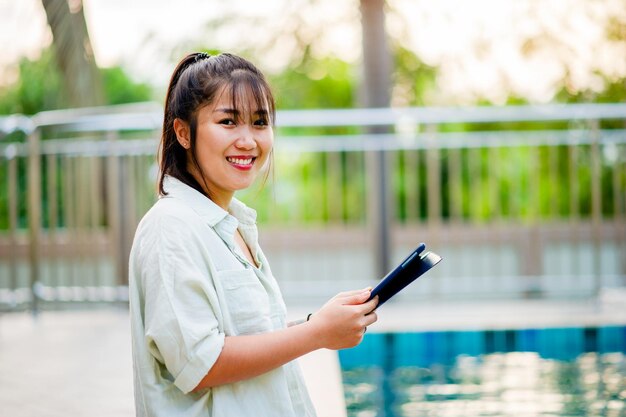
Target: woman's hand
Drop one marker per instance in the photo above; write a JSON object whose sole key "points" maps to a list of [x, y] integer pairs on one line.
{"points": [[342, 321]]}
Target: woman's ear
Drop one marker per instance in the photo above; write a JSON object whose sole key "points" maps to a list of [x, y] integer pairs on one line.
{"points": [[181, 128]]}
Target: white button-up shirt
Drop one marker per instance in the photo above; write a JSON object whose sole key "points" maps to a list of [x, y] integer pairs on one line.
{"points": [[190, 286]]}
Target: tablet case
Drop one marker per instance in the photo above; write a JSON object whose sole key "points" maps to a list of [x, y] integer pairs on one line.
{"points": [[414, 266]]}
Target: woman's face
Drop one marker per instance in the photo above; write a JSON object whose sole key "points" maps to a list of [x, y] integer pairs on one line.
{"points": [[232, 146]]}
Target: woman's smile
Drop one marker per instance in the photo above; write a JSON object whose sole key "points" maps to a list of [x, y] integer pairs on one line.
{"points": [[241, 162]]}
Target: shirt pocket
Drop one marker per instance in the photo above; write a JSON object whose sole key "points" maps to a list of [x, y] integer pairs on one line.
{"points": [[247, 301]]}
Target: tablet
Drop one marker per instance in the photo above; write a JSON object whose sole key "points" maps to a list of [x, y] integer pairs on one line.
{"points": [[414, 266]]}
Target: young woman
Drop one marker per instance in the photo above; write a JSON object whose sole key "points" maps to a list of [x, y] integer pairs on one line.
{"points": [[208, 319]]}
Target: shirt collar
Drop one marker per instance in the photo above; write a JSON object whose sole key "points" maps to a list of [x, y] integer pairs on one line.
{"points": [[225, 223], [206, 209], [243, 213], [204, 206]]}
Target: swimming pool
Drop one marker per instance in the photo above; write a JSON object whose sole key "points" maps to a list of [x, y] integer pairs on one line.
{"points": [[526, 372]]}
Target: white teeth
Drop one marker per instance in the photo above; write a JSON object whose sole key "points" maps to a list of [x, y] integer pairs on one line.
{"points": [[239, 161]]}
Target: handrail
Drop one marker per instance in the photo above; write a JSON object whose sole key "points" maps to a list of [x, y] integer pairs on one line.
{"points": [[438, 115], [16, 123], [92, 146], [148, 116]]}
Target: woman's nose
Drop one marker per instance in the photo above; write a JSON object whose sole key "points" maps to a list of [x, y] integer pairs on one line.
{"points": [[245, 139]]}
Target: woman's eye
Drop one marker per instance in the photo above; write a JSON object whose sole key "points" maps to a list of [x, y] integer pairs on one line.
{"points": [[261, 122], [228, 122]]}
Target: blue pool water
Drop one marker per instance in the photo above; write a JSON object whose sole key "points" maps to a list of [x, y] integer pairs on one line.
{"points": [[528, 372]]}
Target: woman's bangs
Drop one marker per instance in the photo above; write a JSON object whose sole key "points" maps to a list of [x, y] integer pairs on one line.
{"points": [[250, 95]]}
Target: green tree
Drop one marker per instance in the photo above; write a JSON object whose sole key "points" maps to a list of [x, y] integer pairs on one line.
{"points": [[316, 83], [119, 88], [39, 87]]}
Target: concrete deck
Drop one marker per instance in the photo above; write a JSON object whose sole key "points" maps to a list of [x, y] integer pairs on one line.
{"points": [[78, 363]]}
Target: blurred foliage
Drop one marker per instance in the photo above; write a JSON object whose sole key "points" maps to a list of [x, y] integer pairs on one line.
{"points": [[512, 183], [414, 82], [39, 87], [120, 89], [329, 187], [327, 83]]}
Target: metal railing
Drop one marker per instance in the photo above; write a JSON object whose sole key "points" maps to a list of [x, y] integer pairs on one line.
{"points": [[520, 201]]}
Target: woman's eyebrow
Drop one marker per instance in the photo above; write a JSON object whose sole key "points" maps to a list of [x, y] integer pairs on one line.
{"points": [[260, 112], [227, 110]]}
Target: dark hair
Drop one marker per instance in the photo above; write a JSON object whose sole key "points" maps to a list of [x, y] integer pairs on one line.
{"points": [[196, 81]]}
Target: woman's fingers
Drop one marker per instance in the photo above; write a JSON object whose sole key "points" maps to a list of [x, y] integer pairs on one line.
{"points": [[370, 318], [356, 297], [370, 306], [350, 294]]}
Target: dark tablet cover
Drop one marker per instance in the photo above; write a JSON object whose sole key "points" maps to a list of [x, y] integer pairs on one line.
{"points": [[414, 266]]}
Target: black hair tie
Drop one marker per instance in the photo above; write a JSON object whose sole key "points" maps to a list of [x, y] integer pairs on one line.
{"points": [[202, 56]]}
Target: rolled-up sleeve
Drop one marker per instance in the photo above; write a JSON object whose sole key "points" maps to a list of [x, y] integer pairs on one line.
{"points": [[181, 306]]}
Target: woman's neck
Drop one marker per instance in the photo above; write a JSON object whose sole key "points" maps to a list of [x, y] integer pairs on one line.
{"points": [[221, 199]]}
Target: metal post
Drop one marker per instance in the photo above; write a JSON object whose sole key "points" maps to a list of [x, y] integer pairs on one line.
{"points": [[114, 203], [433, 195], [127, 210], [13, 210], [34, 215], [379, 210], [596, 205]]}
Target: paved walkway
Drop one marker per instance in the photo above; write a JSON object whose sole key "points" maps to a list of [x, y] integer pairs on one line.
{"points": [[78, 363], [70, 363]]}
